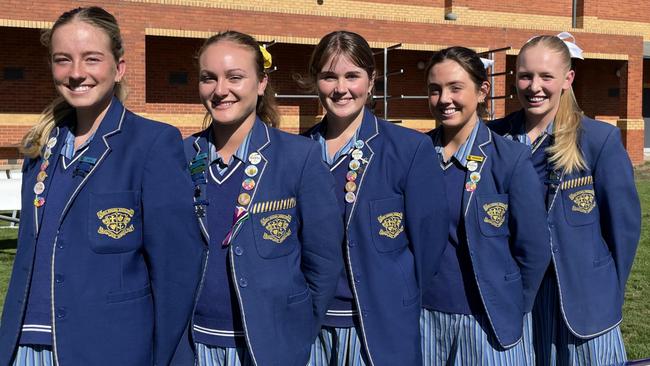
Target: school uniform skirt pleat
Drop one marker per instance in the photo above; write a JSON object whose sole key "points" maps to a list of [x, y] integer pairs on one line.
{"points": [[554, 343], [460, 339], [222, 356], [337, 347], [34, 355]]}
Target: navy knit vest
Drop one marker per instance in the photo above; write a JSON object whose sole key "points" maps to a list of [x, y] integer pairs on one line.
{"points": [[217, 319]]}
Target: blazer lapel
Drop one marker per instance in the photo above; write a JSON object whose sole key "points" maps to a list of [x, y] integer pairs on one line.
{"points": [[368, 130], [98, 149], [48, 166], [199, 170], [483, 139]]}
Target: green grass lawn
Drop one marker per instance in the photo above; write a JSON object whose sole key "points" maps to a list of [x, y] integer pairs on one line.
{"points": [[636, 312]]}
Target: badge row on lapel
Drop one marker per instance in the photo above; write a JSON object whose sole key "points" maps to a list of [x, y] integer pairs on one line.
{"points": [[355, 169], [473, 164], [244, 199], [39, 187]]}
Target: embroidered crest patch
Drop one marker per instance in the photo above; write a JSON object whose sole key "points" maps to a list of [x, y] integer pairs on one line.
{"points": [[496, 213], [116, 222], [277, 227], [392, 223], [583, 201]]}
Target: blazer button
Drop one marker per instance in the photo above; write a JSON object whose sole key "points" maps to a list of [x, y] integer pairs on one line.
{"points": [[58, 278], [60, 313], [351, 243], [243, 282], [555, 249], [239, 250], [59, 244]]}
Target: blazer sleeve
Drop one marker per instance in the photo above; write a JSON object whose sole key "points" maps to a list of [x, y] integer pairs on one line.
{"points": [[321, 232], [172, 241], [426, 210], [529, 233], [618, 204]]}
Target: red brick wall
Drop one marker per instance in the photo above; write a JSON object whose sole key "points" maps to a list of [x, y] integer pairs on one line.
{"points": [[21, 48], [627, 10], [548, 7]]}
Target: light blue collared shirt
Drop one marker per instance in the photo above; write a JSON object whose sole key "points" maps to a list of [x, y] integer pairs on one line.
{"points": [[320, 137], [215, 159], [523, 137], [68, 149], [464, 150]]}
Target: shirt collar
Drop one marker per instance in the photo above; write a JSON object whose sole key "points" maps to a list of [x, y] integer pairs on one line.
{"points": [[464, 150], [240, 153], [68, 150], [521, 135], [320, 137]]}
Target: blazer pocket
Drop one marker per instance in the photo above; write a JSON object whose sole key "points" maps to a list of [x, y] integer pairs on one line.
{"points": [[276, 232], [123, 296], [115, 222], [299, 297], [387, 224], [580, 205], [492, 211]]}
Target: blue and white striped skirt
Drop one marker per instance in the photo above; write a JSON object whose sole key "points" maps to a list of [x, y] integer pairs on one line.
{"points": [[459, 339], [337, 347], [222, 356], [554, 343], [34, 355]]}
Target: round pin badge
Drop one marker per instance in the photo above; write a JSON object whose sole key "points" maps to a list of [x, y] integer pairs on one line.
{"points": [[475, 177], [254, 158], [39, 201], [248, 184], [40, 177], [47, 154], [251, 170], [350, 197], [470, 186], [51, 142], [45, 164], [350, 187], [354, 164], [244, 199], [357, 154], [351, 176], [472, 166], [359, 144], [39, 187]]}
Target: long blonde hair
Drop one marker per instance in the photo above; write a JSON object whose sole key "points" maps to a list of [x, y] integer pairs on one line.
{"points": [[266, 107], [33, 142], [565, 153]]}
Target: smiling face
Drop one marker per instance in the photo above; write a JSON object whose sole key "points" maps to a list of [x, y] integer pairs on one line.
{"points": [[343, 88], [542, 76], [453, 95], [229, 83], [83, 66]]}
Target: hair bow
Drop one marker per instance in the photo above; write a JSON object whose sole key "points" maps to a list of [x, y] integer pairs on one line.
{"points": [[487, 62], [268, 60], [574, 50]]}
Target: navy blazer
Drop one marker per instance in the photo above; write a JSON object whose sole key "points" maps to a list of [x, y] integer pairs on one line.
{"points": [[124, 301], [385, 260], [595, 221], [504, 221], [283, 287]]}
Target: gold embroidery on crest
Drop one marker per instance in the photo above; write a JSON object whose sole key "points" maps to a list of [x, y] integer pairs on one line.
{"points": [[392, 223], [277, 227], [116, 222], [496, 213], [583, 200]]}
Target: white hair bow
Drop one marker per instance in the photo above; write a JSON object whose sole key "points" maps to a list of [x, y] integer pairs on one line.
{"points": [[574, 50], [487, 62]]}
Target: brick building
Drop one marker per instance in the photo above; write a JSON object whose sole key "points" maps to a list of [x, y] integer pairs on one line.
{"points": [[162, 37]]}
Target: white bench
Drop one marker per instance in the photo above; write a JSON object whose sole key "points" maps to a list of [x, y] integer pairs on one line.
{"points": [[10, 181]]}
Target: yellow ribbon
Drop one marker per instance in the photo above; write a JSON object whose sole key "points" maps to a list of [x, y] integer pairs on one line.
{"points": [[268, 60]]}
